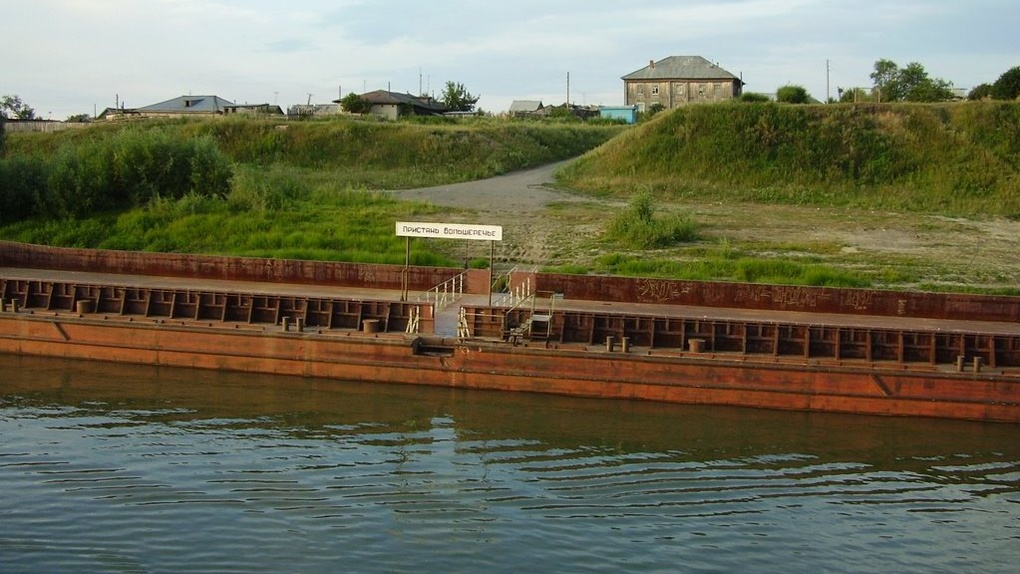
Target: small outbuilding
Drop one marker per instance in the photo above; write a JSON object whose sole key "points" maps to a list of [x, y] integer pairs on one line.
{"points": [[258, 110], [628, 114], [525, 108]]}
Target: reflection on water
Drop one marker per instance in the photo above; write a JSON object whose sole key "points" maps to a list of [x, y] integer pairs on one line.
{"points": [[128, 469]]}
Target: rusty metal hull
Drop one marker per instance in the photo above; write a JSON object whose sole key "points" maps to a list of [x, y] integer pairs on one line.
{"points": [[669, 376]]}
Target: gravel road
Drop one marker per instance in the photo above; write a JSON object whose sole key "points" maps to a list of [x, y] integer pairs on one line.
{"points": [[519, 191]]}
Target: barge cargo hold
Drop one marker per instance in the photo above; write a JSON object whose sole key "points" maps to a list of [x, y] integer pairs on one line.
{"points": [[832, 350]]}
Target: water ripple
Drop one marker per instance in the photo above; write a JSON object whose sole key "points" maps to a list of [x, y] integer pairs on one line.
{"points": [[426, 483]]}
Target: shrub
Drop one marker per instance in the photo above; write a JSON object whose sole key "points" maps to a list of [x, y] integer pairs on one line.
{"points": [[22, 189], [639, 228], [792, 95], [134, 167]]}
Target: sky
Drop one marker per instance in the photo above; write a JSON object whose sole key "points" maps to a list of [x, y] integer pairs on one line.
{"points": [[67, 57]]}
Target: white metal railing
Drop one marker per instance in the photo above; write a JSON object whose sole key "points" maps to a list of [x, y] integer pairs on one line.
{"points": [[463, 328], [414, 320], [515, 296], [445, 293]]}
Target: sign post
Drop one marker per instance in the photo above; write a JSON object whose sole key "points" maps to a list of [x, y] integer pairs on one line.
{"points": [[409, 229]]}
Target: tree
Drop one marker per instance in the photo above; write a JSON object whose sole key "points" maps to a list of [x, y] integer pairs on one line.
{"points": [[910, 84], [980, 92], [885, 79], [1007, 87], [79, 119], [456, 98], [13, 107], [853, 95], [918, 87], [354, 104], [792, 95]]}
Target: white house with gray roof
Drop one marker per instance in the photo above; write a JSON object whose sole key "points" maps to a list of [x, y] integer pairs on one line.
{"points": [[679, 81], [177, 107]]}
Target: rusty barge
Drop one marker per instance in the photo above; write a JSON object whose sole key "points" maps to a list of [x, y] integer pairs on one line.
{"points": [[761, 346]]}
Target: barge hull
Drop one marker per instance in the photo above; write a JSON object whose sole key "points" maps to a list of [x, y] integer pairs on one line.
{"points": [[715, 379]]}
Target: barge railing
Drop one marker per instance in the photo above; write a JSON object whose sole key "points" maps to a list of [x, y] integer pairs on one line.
{"points": [[446, 293]]}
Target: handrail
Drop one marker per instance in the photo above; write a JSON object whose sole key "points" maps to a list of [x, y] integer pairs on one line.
{"points": [[414, 320], [515, 297], [445, 293]]}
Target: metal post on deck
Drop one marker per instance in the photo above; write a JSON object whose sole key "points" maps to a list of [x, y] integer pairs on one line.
{"points": [[492, 257], [407, 270]]}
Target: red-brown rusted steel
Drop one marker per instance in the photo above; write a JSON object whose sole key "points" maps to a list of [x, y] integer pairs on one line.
{"points": [[218, 307], [754, 355], [782, 297], [230, 268], [693, 378], [837, 342]]}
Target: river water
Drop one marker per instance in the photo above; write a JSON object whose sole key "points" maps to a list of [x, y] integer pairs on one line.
{"points": [[108, 468]]}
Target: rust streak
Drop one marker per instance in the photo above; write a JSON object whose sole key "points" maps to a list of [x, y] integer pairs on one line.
{"points": [[881, 385]]}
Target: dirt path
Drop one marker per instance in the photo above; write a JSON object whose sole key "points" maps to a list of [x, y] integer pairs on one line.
{"points": [[522, 191], [537, 229], [547, 227]]}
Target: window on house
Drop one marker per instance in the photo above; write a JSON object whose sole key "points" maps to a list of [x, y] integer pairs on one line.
{"points": [[655, 90]]}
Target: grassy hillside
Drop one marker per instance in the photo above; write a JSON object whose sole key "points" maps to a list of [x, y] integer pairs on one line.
{"points": [[949, 158], [899, 196], [361, 152], [302, 190]]}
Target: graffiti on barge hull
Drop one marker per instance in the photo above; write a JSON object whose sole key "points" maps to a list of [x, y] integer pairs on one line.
{"points": [[661, 291]]}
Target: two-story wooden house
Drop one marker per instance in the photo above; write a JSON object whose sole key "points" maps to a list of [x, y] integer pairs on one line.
{"points": [[679, 81]]}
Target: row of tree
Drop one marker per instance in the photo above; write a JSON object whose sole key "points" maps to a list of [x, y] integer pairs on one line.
{"points": [[912, 83], [1007, 87]]}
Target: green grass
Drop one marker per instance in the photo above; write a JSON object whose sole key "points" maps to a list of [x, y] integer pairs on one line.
{"points": [[298, 190], [724, 267], [304, 189], [639, 227], [948, 158]]}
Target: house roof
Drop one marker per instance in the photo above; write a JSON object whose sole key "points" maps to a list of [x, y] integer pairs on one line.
{"points": [[189, 105], [525, 106], [383, 97], [681, 67]]}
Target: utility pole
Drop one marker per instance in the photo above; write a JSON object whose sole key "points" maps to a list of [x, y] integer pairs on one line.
{"points": [[827, 81], [568, 88]]}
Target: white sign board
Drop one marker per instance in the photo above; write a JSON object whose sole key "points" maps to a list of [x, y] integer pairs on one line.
{"points": [[450, 231]]}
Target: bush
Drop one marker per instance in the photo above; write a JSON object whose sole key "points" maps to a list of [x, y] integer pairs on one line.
{"points": [[22, 189], [134, 167], [639, 228], [1007, 87], [792, 95]]}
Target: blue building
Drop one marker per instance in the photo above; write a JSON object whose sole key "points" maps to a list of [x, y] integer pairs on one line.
{"points": [[628, 114]]}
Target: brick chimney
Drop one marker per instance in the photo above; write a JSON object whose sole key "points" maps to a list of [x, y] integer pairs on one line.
{"points": [[651, 63]]}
